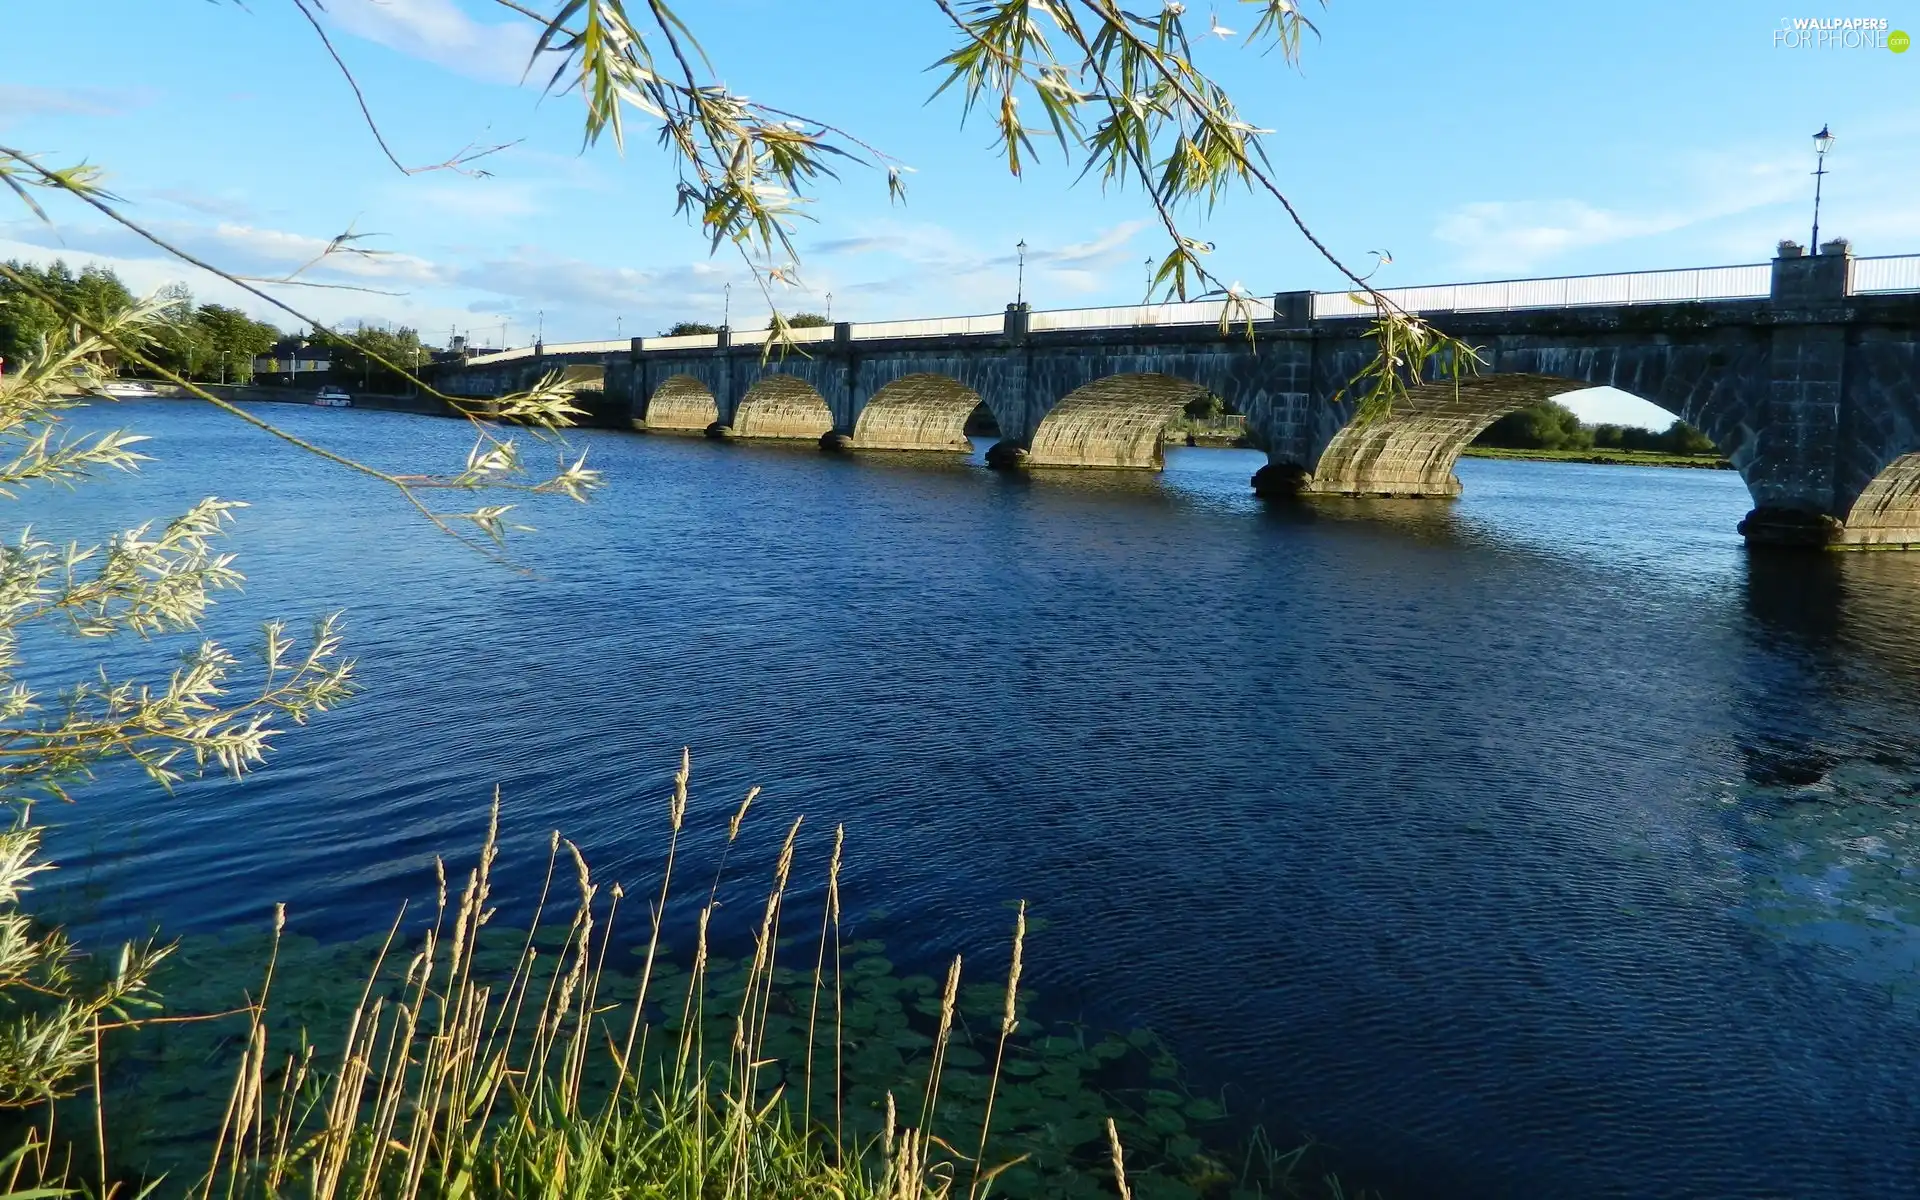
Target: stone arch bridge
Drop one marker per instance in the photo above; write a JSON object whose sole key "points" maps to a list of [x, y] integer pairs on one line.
{"points": [[1805, 372]]}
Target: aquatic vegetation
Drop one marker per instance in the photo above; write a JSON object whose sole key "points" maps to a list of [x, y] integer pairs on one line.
{"points": [[455, 1056]]}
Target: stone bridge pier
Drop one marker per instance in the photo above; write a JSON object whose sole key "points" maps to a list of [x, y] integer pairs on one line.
{"points": [[1813, 395], [1809, 385]]}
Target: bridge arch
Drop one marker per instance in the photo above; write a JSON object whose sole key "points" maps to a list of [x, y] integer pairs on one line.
{"points": [[1412, 450], [917, 412], [680, 403], [782, 406], [1116, 421], [1887, 512]]}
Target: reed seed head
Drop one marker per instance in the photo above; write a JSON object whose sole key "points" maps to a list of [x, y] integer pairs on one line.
{"points": [[733, 827], [886, 1137], [678, 810], [1010, 1019], [1119, 1161], [947, 998], [833, 873], [785, 867]]}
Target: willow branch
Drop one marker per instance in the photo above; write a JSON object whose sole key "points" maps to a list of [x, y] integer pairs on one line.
{"points": [[399, 483], [456, 163]]}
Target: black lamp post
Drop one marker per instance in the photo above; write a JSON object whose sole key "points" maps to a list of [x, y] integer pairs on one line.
{"points": [[1822, 142], [1020, 280]]}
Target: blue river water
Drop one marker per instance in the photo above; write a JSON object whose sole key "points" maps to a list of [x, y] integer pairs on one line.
{"points": [[1542, 843]]}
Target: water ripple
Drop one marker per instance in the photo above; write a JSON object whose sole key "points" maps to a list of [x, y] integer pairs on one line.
{"points": [[1540, 844]]}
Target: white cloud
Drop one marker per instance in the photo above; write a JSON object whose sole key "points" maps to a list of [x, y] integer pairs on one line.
{"points": [[1103, 249], [20, 99], [894, 271], [1497, 234], [236, 248], [936, 271], [144, 273], [230, 207], [479, 201], [536, 278], [1706, 199], [1725, 210], [441, 32]]}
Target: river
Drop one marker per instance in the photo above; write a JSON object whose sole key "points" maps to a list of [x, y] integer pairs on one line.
{"points": [[1543, 843]]}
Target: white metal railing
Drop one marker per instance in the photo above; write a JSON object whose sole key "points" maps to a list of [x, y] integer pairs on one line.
{"points": [[1894, 273], [1638, 287], [805, 333], [480, 360], [931, 327], [1191, 312], [602, 347], [684, 341]]}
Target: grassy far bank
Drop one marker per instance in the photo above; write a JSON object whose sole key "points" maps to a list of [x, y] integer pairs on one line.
{"points": [[1638, 458], [1553, 432]]}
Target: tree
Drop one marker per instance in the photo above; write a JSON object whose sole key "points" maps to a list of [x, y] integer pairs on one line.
{"points": [[1543, 426], [177, 343], [1677, 438], [362, 357], [209, 342], [25, 319], [1682, 438], [808, 320], [1205, 408], [232, 341], [684, 328]]}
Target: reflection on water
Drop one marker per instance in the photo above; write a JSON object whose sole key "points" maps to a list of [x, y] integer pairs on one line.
{"points": [[1541, 843]]}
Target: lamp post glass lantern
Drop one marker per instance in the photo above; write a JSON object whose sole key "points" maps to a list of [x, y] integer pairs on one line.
{"points": [[1822, 142]]}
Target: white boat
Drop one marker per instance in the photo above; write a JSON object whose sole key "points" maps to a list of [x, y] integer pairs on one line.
{"points": [[127, 389], [333, 396]]}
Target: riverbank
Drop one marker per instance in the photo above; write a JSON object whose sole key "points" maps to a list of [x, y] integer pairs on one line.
{"points": [[1636, 458]]}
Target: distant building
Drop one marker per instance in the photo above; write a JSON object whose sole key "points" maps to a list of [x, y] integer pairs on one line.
{"points": [[458, 348], [292, 362]]}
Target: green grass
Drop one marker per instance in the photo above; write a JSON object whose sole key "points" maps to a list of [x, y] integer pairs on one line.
{"points": [[1638, 458]]}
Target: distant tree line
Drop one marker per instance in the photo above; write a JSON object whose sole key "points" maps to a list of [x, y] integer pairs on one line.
{"points": [[353, 357], [1551, 426], [799, 320], [209, 342]]}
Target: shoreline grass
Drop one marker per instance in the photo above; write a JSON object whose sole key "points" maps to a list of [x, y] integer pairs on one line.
{"points": [[1635, 458], [452, 1057]]}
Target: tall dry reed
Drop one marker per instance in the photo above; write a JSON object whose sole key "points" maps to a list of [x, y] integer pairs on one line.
{"points": [[452, 1082]]}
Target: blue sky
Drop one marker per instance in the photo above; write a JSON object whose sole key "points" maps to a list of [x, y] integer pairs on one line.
{"points": [[1473, 140]]}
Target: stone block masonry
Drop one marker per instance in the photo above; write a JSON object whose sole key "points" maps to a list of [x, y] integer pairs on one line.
{"points": [[1812, 392]]}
